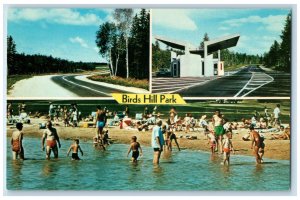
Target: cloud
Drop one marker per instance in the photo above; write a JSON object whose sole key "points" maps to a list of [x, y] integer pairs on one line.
{"points": [[55, 15], [271, 22], [79, 41], [175, 19]]}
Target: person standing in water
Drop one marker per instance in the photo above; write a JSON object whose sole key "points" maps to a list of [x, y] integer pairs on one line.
{"points": [[51, 137], [157, 142], [256, 144], [16, 142], [100, 123], [75, 147], [134, 147], [227, 147], [218, 123]]}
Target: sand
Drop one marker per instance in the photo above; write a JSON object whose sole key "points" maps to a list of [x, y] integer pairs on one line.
{"points": [[275, 149]]}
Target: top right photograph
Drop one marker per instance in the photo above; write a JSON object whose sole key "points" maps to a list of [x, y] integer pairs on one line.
{"points": [[222, 52]]}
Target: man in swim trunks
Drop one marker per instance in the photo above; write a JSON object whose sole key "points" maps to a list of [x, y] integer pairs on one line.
{"points": [[256, 142], [218, 123], [100, 122], [157, 142], [134, 147], [75, 147], [16, 142], [51, 137]]}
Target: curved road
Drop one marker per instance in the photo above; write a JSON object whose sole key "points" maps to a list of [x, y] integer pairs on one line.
{"points": [[249, 81], [82, 88]]}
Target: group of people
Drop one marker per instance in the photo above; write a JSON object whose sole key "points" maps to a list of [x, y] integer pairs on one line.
{"points": [[50, 143], [219, 133]]}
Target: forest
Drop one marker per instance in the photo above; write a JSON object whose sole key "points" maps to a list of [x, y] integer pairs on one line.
{"points": [[20, 63]]}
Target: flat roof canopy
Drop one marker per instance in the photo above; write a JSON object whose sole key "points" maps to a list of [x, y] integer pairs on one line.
{"points": [[173, 43], [221, 43], [212, 45]]}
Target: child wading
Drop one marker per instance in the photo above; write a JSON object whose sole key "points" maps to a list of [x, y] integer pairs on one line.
{"points": [[75, 147], [227, 147], [134, 147]]}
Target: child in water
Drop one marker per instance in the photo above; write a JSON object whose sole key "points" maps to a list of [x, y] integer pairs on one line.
{"points": [[227, 147], [212, 141], [75, 147], [134, 147]]}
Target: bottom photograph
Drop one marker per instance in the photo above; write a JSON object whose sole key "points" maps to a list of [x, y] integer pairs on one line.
{"points": [[100, 145]]}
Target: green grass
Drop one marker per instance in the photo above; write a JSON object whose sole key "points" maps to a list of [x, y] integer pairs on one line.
{"points": [[243, 109], [235, 67], [130, 82], [15, 78]]}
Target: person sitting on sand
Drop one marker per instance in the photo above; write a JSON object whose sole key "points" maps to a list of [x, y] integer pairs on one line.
{"points": [[227, 147], [134, 147], [170, 136], [75, 147], [51, 137], [255, 144], [17, 142]]}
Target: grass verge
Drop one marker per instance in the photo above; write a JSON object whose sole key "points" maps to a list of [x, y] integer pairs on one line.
{"points": [[130, 82], [15, 78]]}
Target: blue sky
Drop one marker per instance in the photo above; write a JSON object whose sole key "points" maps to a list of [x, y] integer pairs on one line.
{"points": [[258, 28], [67, 33]]}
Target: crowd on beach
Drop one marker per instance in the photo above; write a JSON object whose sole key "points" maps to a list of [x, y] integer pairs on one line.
{"points": [[218, 130]]}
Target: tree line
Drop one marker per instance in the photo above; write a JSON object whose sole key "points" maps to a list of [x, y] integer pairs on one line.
{"points": [[279, 54], [124, 42], [20, 63]]}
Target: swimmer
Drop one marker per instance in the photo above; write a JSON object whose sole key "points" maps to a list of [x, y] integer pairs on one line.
{"points": [[75, 147], [212, 141], [16, 142], [134, 147], [170, 136]]}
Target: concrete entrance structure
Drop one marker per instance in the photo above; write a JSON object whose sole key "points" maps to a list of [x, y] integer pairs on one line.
{"points": [[198, 62]]}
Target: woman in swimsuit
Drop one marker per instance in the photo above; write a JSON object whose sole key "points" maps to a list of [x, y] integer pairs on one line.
{"points": [[16, 142]]}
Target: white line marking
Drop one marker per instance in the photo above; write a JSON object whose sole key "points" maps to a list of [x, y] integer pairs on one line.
{"points": [[252, 82], [85, 86]]}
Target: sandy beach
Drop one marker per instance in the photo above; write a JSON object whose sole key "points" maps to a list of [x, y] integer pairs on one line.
{"points": [[275, 149]]}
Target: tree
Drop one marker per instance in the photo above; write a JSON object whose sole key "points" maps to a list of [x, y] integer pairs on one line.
{"points": [[285, 46], [11, 55], [205, 38], [123, 19], [106, 39]]}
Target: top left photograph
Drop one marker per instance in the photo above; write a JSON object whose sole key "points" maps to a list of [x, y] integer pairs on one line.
{"points": [[76, 52]]}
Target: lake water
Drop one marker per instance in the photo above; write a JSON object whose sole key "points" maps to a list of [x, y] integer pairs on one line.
{"points": [[111, 170]]}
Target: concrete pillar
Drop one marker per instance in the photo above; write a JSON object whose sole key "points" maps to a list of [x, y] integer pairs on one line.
{"points": [[205, 58], [219, 55]]}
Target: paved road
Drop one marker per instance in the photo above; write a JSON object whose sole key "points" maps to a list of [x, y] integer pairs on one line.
{"points": [[250, 81], [82, 88], [172, 85]]}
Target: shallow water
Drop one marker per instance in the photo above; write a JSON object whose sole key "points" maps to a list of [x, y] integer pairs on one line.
{"points": [[111, 170]]}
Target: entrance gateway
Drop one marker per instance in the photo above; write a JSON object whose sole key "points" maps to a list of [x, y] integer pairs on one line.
{"points": [[198, 62]]}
